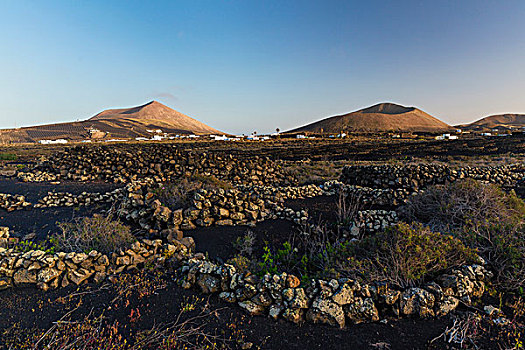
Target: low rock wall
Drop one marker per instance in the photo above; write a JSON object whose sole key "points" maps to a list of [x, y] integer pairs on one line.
{"points": [[65, 199], [163, 162], [335, 302], [47, 270], [11, 202], [416, 177]]}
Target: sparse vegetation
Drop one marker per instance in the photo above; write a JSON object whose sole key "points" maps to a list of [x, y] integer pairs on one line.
{"points": [[314, 172], [485, 218], [244, 244], [471, 203], [177, 195], [405, 255], [104, 234], [8, 156]]}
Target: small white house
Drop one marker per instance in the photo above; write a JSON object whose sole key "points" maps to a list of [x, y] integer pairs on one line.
{"points": [[486, 134], [446, 137], [52, 142], [300, 136], [116, 140]]}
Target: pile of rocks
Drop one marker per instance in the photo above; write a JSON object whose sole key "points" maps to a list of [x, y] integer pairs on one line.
{"points": [[11, 202], [65, 199], [416, 177], [205, 208], [299, 217], [368, 222], [4, 236], [162, 162], [334, 302], [52, 270], [367, 196], [36, 176], [279, 193]]}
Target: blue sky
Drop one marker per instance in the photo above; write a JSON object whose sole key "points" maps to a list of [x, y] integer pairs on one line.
{"points": [[241, 66]]}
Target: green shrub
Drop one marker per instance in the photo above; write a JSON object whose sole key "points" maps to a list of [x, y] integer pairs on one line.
{"points": [[102, 233], [405, 255], [485, 218], [462, 203], [8, 156], [502, 245]]}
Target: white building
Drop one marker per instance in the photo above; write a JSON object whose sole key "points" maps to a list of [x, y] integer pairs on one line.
{"points": [[52, 142], [446, 137]]}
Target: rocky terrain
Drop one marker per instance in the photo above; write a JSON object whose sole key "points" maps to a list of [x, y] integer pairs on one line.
{"points": [[265, 245]]}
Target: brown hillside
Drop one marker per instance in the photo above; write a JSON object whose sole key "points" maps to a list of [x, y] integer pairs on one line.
{"points": [[155, 111], [113, 123], [498, 121], [382, 117]]}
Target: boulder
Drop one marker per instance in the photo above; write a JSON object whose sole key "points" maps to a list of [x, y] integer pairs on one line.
{"points": [[251, 307], [416, 301], [361, 310], [326, 311]]}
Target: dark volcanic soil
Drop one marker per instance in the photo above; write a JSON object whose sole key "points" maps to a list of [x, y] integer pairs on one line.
{"points": [[43, 221], [33, 309]]}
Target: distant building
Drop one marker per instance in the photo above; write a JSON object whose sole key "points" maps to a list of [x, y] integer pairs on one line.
{"points": [[52, 142], [446, 137]]}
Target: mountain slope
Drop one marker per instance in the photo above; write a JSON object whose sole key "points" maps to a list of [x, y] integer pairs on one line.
{"points": [[499, 120], [382, 117], [155, 111], [114, 123]]}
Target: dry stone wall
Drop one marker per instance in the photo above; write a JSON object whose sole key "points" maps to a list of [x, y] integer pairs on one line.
{"points": [[335, 302], [163, 162], [413, 178], [11, 202], [47, 270], [65, 199], [221, 207]]}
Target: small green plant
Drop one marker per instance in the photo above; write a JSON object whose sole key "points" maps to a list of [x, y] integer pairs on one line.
{"points": [[245, 243], [27, 245], [241, 263], [190, 303]]}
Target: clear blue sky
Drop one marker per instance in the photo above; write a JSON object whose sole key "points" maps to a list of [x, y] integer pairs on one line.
{"points": [[245, 65]]}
